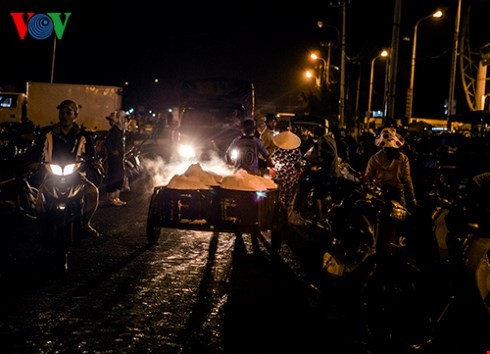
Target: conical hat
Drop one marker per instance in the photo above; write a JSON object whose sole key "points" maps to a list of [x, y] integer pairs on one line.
{"points": [[286, 140]]}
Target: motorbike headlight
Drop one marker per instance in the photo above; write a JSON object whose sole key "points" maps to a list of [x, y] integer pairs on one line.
{"points": [[69, 169], [234, 154], [58, 170], [186, 151]]}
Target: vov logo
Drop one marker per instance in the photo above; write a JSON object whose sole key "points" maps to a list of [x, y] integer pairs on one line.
{"points": [[40, 26]]}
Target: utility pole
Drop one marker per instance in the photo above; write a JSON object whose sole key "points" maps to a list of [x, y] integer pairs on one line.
{"points": [[390, 102], [53, 60], [342, 71], [343, 5], [452, 82]]}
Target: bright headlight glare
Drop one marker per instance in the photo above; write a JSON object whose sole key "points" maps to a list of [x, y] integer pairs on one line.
{"points": [[186, 151], [69, 169], [56, 170]]}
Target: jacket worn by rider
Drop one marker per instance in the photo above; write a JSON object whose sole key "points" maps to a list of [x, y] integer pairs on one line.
{"points": [[392, 175], [71, 147]]}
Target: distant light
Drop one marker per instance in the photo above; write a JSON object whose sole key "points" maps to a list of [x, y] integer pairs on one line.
{"points": [[170, 110], [437, 14]]}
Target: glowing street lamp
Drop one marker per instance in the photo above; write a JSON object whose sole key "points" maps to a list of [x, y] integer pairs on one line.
{"points": [[326, 66], [309, 75], [409, 103], [383, 54]]}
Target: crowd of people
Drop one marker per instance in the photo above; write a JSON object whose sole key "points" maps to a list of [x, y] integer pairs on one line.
{"points": [[262, 146], [383, 157], [266, 144]]}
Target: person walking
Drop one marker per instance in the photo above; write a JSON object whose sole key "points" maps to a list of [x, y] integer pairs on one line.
{"points": [[244, 150], [66, 141], [287, 158], [115, 149]]}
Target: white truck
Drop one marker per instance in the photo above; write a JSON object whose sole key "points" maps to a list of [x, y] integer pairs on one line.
{"points": [[210, 114], [40, 100]]}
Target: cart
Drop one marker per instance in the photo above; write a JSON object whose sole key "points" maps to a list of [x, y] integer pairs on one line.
{"points": [[216, 209]]}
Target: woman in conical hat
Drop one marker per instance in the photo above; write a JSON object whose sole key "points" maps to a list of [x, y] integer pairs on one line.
{"points": [[286, 158]]}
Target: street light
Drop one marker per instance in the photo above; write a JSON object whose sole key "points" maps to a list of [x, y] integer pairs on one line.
{"points": [[321, 24], [409, 103], [328, 44], [383, 54], [326, 66], [310, 75]]}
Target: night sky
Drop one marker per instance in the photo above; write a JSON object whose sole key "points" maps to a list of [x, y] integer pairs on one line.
{"points": [[110, 42]]}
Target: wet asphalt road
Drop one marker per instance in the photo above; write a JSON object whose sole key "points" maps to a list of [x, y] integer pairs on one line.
{"points": [[193, 292]]}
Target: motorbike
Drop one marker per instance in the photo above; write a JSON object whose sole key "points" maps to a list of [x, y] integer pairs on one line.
{"points": [[19, 193], [61, 217], [406, 296], [401, 301], [337, 217], [463, 238], [132, 163]]}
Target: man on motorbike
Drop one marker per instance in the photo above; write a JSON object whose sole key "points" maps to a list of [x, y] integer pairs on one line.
{"points": [[324, 158], [67, 141]]}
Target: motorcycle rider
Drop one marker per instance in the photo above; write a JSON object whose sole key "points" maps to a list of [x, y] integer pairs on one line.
{"points": [[389, 168], [324, 157], [66, 140]]}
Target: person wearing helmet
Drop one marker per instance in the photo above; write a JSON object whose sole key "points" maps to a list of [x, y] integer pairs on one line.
{"points": [[64, 141]]}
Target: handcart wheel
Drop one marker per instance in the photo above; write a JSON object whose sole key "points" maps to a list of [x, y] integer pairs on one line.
{"points": [[153, 232]]}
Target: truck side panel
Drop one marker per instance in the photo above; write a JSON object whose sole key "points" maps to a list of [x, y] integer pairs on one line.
{"points": [[97, 103]]}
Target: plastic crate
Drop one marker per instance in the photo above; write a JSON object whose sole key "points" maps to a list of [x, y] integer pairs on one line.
{"points": [[243, 210], [176, 208]]}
